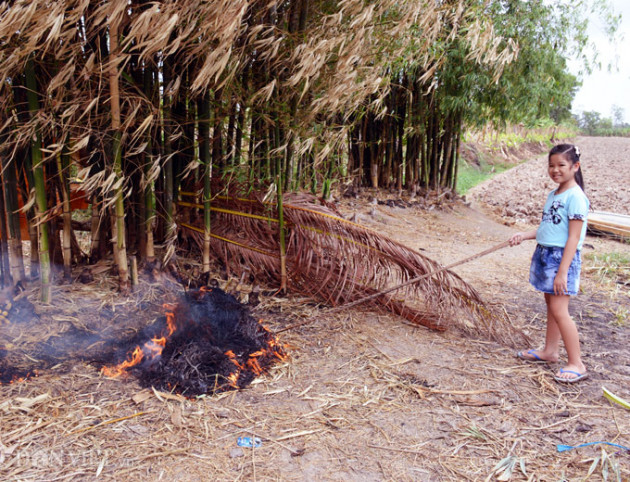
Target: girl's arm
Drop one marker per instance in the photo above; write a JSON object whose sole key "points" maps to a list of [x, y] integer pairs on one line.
{"points": [[518, 238], [560, 281]]}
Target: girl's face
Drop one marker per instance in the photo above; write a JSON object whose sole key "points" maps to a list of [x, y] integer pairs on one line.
{"points": [[562, 171]]}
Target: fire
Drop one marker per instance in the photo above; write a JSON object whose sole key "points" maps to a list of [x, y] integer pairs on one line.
{"points": [[274, 349], [233, 379], [253, 364], [192, 333], [170, 318], [116, 371], [18, 377], [230, 354], [151, 350]]}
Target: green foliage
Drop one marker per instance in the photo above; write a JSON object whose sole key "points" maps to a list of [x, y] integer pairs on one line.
{"points": [[537, 85], [469, 175], [610, 267], [593, 124], [621, 317], [474, 432], [608, 466]]}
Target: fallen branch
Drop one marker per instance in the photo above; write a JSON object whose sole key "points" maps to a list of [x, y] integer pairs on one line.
{"points": [[399, 286]]}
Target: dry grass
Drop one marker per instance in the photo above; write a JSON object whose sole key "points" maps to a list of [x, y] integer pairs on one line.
{"points": [[352, 403]]}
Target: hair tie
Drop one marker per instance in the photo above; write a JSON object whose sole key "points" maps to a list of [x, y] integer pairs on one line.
{"points": [[577, 150]]}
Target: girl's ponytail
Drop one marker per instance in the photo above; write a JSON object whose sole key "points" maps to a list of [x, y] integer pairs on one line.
{"points": [[579, 178], [571, 153]]}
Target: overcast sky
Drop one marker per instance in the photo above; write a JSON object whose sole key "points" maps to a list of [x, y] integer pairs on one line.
{"points": [[603, 89]]}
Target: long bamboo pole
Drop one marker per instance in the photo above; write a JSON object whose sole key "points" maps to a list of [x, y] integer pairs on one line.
{"points": [[149, 192], [281, 227], [5, 270], [170, 231]]}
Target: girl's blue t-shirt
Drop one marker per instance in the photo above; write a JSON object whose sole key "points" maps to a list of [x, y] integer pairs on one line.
{"points": [[558, 210]]}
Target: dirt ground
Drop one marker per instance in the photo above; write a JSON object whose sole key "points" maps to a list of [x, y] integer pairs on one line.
{"points": [[364, 396], [518, 193]]}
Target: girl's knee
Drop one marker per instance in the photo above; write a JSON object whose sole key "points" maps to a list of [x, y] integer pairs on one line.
{"points": [[558, 304]]}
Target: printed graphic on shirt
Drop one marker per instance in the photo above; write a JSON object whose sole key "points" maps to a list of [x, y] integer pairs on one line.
{"points": [[552, 216]]}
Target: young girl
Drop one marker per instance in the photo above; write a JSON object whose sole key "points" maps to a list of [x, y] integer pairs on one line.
{"points": [[556, 263]]}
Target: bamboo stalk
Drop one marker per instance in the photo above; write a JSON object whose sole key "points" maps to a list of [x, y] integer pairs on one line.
{"points": [[120, 247], [63, 162], [134, 270], [421, 277], [5, 270], [13, 216], [230, 241], [149, 193], [281, 234], [227, 211], [206, 161], [168, 187], [37, 165], [95, 231]]}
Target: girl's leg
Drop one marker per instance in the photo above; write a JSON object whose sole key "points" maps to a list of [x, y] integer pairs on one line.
{"points": [[552, 338], [563, 326]]}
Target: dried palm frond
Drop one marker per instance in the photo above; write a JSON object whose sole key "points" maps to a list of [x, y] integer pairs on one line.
{"points": [[337, 261]]}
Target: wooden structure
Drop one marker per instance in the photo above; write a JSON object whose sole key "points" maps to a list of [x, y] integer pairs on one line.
{"points": [[601, 222]]}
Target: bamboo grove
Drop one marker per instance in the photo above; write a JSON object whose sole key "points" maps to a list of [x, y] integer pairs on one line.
{"points": [[141, 101]]}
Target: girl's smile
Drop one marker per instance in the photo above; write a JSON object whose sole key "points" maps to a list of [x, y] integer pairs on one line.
{"points": [[562, 171]]}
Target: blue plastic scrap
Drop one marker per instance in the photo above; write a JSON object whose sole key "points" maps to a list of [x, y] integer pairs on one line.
{"points": [[564, 448], [248, 442]]}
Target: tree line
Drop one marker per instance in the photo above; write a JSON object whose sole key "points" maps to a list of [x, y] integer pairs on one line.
{"points": [[593, 123]]}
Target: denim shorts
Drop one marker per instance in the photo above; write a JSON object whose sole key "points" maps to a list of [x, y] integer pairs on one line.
{"points": [[545, 264]]}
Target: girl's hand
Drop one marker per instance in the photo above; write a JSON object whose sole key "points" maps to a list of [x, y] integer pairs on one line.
{"points": [[516, 239], [560, 283]]}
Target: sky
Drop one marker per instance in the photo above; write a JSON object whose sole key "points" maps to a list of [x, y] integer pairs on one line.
{"points": [[602, 89]]}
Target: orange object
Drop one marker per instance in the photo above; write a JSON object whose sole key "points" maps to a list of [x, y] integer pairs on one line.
{"points": [[78, 201]]}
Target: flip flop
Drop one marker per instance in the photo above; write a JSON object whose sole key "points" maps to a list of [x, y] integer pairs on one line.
{"points": [[523, 356], [578, 376]]}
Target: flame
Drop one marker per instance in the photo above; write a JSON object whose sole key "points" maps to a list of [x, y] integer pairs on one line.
{"points": [[233, 379], [116, 371], [254, 366], [19, 378], [170, 318], [148, 352], [230, 354]]}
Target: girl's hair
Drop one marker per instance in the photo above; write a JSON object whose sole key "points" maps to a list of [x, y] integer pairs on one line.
{"points": [[570, 153]]}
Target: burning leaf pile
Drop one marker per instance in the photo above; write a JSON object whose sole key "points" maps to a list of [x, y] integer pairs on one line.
{"points": [[206, 343]]}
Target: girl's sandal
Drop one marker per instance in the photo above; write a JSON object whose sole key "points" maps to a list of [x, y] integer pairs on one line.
{"points": [[527, 356], [578, 376]]}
